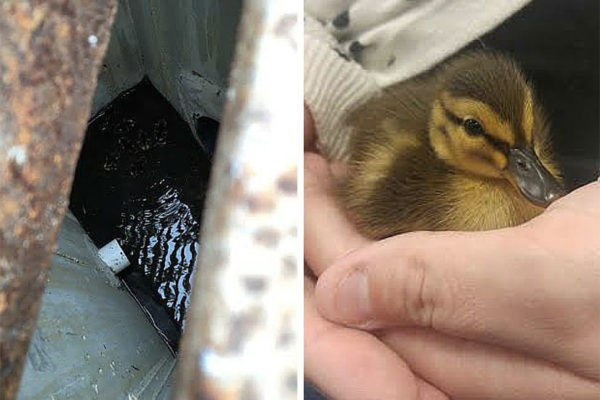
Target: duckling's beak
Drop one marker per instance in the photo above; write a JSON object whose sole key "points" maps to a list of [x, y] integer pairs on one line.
{"points": [[530, 176]]}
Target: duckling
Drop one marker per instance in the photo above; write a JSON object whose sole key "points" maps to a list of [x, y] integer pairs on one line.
{"points": [[464, 148]]}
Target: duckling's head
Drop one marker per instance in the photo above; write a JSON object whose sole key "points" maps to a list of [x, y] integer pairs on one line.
{"points": [[485, 121]]}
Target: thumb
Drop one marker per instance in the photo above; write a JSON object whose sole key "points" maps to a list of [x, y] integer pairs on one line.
{"points": [[525, 281], [463, 284], [526, 288], [399, 281]]}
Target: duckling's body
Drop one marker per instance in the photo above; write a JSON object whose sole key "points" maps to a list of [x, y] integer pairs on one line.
{"points": [[415, 165]]}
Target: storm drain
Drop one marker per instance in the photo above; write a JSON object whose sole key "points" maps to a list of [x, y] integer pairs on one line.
{"points": [[141, 179]]}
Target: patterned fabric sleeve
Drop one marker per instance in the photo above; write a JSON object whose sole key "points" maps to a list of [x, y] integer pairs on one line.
{"points": [[333, 86], [353, 48]]}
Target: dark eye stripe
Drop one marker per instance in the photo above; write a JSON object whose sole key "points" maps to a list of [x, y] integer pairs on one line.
{"points": [[499, 144], [451, 116]]}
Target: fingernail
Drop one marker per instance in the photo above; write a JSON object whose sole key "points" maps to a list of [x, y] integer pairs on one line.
{"points": [[352, 298]]}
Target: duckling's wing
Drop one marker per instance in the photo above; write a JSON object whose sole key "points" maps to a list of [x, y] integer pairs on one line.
{"points": [[391, 165], [407, 104]]}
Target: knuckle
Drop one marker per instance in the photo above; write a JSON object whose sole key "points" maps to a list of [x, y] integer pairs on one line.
{"points": [[419, 295]]}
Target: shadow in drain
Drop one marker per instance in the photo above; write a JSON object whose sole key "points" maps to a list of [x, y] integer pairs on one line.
{"points": [[142, 178]]}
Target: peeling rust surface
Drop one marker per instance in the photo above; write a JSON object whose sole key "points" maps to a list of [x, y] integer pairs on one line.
{"points": [[49, 56], [240, 336]]}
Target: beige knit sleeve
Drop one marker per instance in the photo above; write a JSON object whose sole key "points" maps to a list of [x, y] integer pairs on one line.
{"points": [[353, 48], [333, 86]]}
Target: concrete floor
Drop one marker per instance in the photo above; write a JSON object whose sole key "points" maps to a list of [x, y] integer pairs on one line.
{"points": [[92, 341]]}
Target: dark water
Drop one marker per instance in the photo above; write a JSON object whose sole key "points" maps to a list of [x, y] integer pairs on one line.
{"points": [[160, 235], [141, 179]]}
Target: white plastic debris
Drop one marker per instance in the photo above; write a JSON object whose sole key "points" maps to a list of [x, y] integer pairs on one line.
{"points": [[93, 41], [113, 256]]}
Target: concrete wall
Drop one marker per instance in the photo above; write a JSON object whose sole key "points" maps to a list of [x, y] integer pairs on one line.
{"points": [[184, 46]]}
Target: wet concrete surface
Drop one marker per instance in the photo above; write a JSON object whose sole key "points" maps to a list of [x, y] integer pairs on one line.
{"points": [[91, 340]]}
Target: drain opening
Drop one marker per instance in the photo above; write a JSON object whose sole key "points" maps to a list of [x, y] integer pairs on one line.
{"points": [[141, 179]]}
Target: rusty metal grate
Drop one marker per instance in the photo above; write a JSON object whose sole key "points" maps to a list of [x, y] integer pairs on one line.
{"points": [[49, 57], [240, 339]]}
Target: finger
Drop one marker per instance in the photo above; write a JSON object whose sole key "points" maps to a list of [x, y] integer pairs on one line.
{"points": [[348, 364], [524, 261], [327, 233], [469, 370], [310, 134], [496, 287]]}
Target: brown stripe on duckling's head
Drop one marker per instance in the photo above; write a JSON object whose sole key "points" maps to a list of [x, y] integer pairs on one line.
{"points": [[497, 82], [483, 121]]}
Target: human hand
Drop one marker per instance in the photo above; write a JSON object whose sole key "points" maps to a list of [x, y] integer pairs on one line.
{"points": [[344, 363], [505, 314], [462, 367]]}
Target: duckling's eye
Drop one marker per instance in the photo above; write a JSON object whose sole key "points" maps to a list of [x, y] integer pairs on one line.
{"points": [[473, 127]]}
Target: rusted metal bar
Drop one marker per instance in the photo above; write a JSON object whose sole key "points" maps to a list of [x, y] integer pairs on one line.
{"points": [[50, 52], [240, 335]]}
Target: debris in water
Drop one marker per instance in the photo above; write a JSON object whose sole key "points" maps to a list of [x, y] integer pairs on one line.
{"points": [[142, 178]]}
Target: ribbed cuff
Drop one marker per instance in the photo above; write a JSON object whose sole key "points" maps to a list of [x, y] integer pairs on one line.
{"points": [[333, 87]]}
